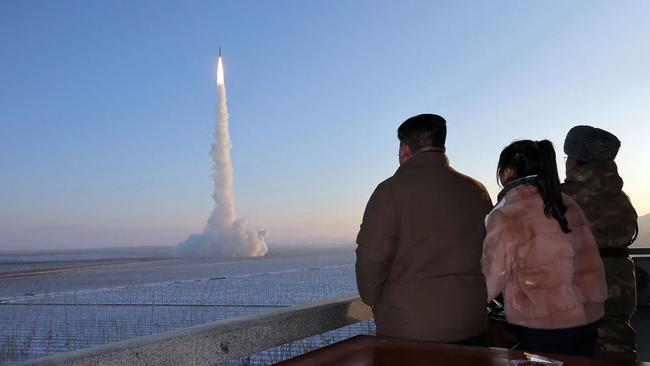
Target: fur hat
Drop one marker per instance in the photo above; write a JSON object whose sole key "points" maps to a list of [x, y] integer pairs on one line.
{"points": [[586, 143]]}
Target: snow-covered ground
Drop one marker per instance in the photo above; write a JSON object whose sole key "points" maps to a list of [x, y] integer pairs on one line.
{"points": [[66, 310]]}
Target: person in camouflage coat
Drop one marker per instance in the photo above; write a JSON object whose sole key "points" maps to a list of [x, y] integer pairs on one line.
{"points": [[592, 180]]}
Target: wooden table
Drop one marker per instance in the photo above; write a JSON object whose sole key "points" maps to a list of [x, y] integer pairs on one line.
{"points": [[373, 350]]}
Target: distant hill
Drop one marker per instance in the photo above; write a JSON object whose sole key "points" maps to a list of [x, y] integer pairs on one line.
{"points": [[644, 232]]}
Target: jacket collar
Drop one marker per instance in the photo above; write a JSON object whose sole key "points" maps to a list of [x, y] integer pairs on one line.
{"points": [[429, 158], [521, 189], [599, 177], [529, 180]]}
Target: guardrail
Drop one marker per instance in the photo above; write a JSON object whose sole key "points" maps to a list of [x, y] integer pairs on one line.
{"points": [[211, 343], [639, 252], [641, 258]]}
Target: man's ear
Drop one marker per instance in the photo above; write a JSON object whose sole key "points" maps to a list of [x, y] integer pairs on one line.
{"points": [[407, 150], [570, 164], [405, 153]]}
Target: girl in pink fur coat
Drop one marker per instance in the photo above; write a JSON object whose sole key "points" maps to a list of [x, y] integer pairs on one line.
{"points": [[540, 253]]}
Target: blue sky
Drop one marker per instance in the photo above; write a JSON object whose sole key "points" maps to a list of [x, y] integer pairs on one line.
{"points": [[107, 107]]}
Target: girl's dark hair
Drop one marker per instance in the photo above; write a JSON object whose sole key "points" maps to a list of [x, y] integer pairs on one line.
{"points": [[528, 157]]}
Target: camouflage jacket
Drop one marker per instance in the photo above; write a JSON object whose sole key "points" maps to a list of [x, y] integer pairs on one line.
{"points": [[598, 189]]}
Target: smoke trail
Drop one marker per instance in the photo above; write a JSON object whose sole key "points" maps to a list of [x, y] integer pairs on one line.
{"points": [[225, 235]]}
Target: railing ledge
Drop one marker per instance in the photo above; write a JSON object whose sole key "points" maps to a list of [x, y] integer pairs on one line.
{"points": [[211, 343]]}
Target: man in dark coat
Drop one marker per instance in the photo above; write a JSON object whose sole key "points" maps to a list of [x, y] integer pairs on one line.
{"points": [[420, 244], [592, 180]]}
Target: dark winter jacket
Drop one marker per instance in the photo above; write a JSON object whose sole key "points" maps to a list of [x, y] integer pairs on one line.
{"points": [[419, 250]]}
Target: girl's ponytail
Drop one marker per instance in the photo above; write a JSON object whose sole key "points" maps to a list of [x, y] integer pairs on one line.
{"points": [[549, 184]]}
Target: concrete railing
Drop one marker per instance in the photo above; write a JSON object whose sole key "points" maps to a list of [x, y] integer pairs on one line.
{"points": [[211, 343]]}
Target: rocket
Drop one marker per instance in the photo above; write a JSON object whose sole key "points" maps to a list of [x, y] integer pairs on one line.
{"points": [[219, 71]]}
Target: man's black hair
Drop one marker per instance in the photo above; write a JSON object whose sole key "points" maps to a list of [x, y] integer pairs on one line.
{"points": [[423, 130]]}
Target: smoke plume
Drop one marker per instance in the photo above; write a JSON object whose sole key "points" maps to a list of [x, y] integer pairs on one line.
{"points": [[225, 235]]}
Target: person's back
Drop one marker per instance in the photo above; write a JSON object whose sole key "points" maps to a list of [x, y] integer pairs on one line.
{"points": [[592, 180], [540, 252], [552, 279], [419, 250]]}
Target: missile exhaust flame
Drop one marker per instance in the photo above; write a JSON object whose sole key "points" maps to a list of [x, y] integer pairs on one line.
{"points": [[220, 78]]}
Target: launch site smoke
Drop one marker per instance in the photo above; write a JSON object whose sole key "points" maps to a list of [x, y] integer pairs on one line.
{"points": [[225, 235]]}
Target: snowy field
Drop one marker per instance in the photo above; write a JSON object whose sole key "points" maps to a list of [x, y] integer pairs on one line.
{"points": [[111, 299]]}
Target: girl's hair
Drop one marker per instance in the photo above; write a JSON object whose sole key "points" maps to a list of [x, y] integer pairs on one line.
{"points": [[528, 157]]}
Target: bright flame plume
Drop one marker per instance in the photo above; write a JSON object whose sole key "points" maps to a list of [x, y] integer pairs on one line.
{"points": [[220, 79]]}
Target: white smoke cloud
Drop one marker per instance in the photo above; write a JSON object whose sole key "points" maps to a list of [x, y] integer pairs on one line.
{"points": [[225, 235]]}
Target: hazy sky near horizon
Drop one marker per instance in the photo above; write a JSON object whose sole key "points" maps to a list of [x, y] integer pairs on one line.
{"points": [[107, 107]]}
